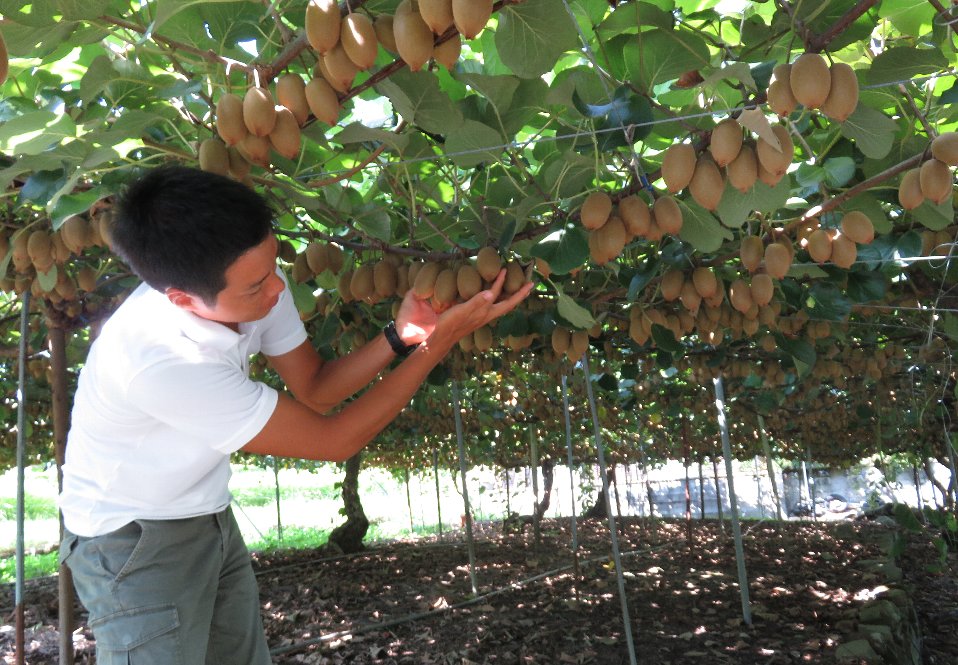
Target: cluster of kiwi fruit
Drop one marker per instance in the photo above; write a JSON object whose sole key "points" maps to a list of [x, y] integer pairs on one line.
{"points": [[813, 83], [612, 226], [933, 180]]}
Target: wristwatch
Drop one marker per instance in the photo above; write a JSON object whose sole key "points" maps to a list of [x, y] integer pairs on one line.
{"points": [[399, 347]]}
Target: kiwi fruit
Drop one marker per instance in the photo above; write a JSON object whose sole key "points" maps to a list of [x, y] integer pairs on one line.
{"points": [[471, 16], [766, 176], [316, 257], [447, 53], [383, 25], [488, 263], [425, 282], [671, 284], [667, 215], [578, 344], [239, 166], [446, 291], [781, 101], [340, 70], [75, 232], [844, 251], [358, 37], [935, 180], [635, 215], [291, 93], [705, 282], [334, 258], [678, 165], [909, 191], [255, 149], [21, 257], [819, 245], [301, 271], [285, 137], [776, 160], [762, 288], [229, 119], [707, 184], [40, 249], [86, 279], [322, 25], [778, 259], [385, 278], [726, 142], [437, 14], [610, 239], [214, 156], [811, 80], [945, 148], [843, 93], [322, 100], [414, 39], [515, 278], [468, 281], [483, 338], [361, 284], [857, 227], [259, 111], [740, 296], [561, 338], [690, 298], [750, 252], [595, 210], [743, 170]]}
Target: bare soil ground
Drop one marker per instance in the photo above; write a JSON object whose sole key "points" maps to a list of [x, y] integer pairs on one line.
{"points": [[412, 602]]}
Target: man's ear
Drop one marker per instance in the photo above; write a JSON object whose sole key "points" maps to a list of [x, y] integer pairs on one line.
{"points": [[181, 298]]}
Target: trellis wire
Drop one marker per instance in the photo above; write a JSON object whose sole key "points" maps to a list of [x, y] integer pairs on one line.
{"points": [[465, 486], [21, 455], [613, 535], [568, 443], [733, 501]]}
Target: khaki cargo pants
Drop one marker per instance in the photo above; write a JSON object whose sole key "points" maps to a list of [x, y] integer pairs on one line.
{"points": [[170, 592]]}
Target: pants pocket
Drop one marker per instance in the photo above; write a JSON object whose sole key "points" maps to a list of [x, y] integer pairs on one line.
{"points": [[139, 636]]}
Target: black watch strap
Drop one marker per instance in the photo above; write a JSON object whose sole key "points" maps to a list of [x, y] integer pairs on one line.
{"points": [[399, 347]]}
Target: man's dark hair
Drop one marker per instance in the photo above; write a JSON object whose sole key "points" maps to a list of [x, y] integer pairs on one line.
{"points": [[181, 227]]}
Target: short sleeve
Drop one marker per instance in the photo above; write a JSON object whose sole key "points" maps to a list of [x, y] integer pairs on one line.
{"points": [[212, 402], [282, 329]]}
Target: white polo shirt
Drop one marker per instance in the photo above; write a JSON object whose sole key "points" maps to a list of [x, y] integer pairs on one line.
{"points": [[164, 398]]}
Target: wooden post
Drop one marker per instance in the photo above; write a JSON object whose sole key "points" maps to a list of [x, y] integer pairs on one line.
{"points": [[470, 543], [435, 468], [21, 457], [770, 466], [279, 515]]}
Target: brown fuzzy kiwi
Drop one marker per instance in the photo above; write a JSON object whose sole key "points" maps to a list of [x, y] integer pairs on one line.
{"points": [[909, 191], [635, 215], [437, 14], [259, 111], [239, 166], [667, 215], [322, 100], [75, 232], [361, 285], [385, 278], [322, 25], [844, 251], [483, 338], [740, 296], [726, 141], [780, 98], [402, 279], [414, 39], [743, 170], [447, 53], [515, 278], [776, 161], [316, 257], [301, 271], [86, 279], [705, 281], [778, 259], [843, 93], [935, 180], [811, 80], [595, 210], [334, 258], [40, 249], [857, 227], [214, 156], [291, 93], [707, 184], [446, 291], [762, 288], [340, 69], [560, 340], [820, 245], [751, 252], [471, 16], [488, 263], [671, 284], [766, 176], [229, 119], [358, 37], [678, 165], [945, 148], [343, 285], [578, 344], [425, 282], [611, 238], [690, 298], [468, 281], [383, 25], [285, 137]]}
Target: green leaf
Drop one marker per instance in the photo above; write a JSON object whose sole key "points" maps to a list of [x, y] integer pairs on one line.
{"points": [[736, 207], [373, 219], [911, 17], [417, 97], [48, 279], [839, 170], [866, 286], [498, 90], [303, 296], [872, 131], [623, 121], [35, 132], [664, 339], [935, 217], [473, 143], [826, 301], [73, 204], [358, 133], [41, 186], [700, 228], [533, 34], [658, 56], [83, 10], [628, 16], [567, 174], [577, 315], [564, 249], [901, 63], [797, 348]]}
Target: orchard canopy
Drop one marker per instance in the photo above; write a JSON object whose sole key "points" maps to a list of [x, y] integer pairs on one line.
{"points": [[750, 190]]}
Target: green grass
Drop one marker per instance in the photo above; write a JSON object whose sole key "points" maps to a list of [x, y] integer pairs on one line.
{"points": [[265, 495], [34, 565], [34, 508]]}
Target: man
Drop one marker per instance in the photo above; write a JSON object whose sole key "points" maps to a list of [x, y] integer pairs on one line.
{"points": [[165, 398]]}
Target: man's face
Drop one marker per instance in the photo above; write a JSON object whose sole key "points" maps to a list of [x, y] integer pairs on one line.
{"points": [[252, 287]]}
